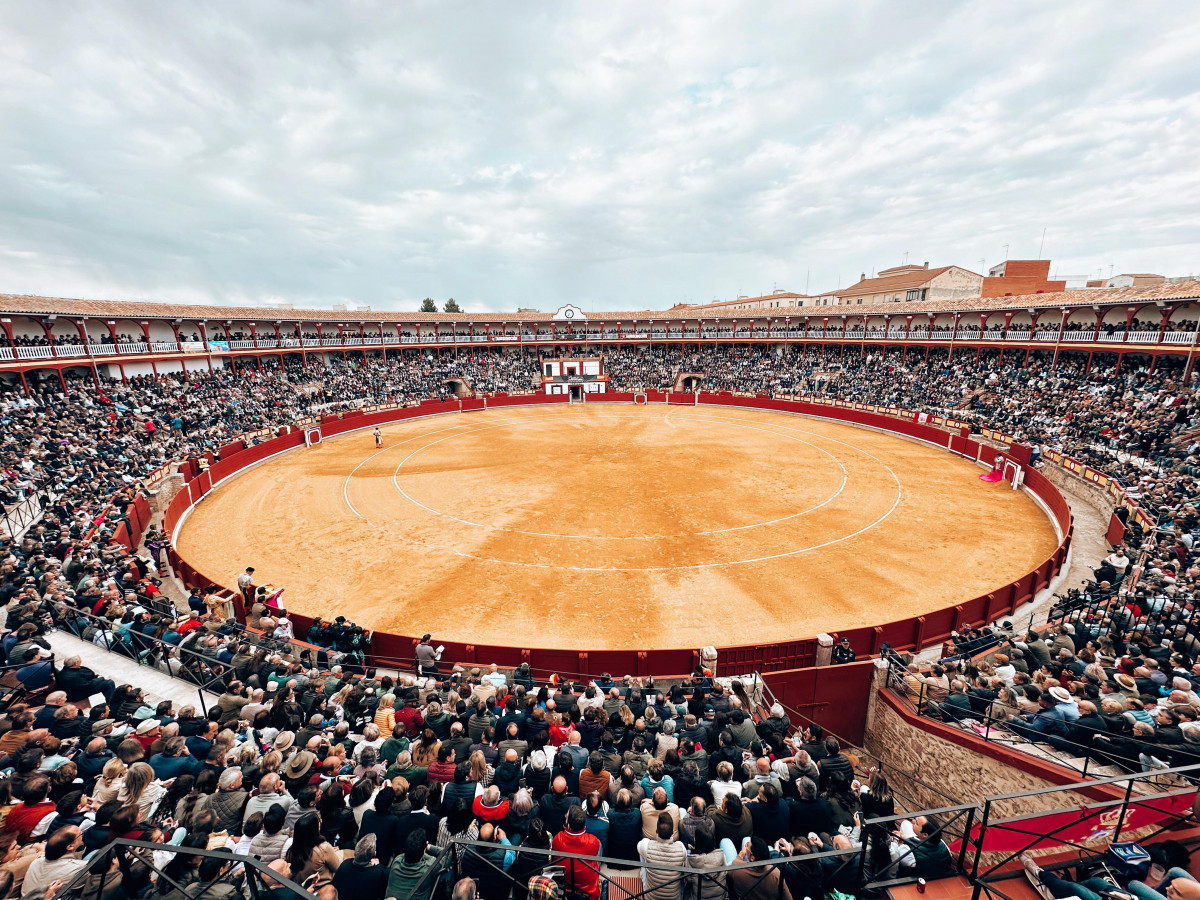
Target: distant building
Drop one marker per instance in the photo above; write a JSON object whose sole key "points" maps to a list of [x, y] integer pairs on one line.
{"points": [[908, 284], [1140, 280], [1014, 277], [776, 300]]}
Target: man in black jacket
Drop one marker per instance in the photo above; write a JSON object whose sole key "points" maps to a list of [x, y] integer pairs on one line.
{"points": [[79, 682], [727, 752], [554, 805]]}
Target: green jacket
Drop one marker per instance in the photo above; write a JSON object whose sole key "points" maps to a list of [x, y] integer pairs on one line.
{"points": [[421, 877], [392, 748], [932, 857]]}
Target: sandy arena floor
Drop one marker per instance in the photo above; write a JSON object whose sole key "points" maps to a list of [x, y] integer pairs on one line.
{"points": [[608, 526]]}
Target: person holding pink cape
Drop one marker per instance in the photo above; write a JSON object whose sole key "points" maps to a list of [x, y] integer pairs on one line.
{"points": [[997, 473]]}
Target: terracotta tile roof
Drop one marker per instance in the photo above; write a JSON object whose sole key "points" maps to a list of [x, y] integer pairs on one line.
{"points": [[900, 282], [15, 304]]}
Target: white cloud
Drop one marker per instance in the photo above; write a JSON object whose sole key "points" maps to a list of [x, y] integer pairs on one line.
{"points": [[622, 156]]}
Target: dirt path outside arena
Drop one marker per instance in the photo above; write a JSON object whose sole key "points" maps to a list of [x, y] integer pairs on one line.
{"points": [[596, 527]]}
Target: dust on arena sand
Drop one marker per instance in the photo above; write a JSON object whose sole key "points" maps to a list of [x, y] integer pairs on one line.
{"points": [[619, 526]]}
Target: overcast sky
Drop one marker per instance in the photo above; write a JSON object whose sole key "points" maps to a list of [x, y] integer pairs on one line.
{"points": [[618, 156]]}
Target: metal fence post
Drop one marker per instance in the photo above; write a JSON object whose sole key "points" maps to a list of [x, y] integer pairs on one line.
{"points": [[1124, 806]]}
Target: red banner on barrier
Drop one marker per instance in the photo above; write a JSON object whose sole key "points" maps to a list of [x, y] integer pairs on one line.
{"points": [[1090, 824]]}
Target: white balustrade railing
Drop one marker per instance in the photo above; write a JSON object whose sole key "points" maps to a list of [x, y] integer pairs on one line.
{"points": [[798, 332], [1179, 337], [1141, 337]]}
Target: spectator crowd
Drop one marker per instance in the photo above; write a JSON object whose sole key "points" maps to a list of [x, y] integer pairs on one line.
{"points": [[313, 764]]}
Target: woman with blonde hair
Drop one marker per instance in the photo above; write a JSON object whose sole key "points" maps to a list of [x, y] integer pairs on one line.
{"points": [[141, 789], [272, 761], [480, 772], [337, 703], [109, 782], [1005, 705], [385, 715], [338, 752]]}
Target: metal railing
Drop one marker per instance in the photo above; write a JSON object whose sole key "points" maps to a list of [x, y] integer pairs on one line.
{"points": [[1078, 748], [896, 785], [19, 517], [126, 867], [1086, 829], [632, 879]]}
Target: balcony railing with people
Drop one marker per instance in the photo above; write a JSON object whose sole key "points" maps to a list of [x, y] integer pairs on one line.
{"points": [[916, 334]]}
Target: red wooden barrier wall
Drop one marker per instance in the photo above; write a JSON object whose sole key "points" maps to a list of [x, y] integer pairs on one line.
{"points": [[799, 655]]}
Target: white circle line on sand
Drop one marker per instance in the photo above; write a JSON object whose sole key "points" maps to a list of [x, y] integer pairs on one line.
{"points": [[417, 437], [612, 537], [696, 566]]}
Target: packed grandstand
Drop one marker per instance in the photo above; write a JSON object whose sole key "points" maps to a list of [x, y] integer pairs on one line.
{"points": [[315, 765]]}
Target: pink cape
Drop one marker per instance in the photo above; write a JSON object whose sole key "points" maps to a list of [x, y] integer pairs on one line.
{"points": [[994, 475]]}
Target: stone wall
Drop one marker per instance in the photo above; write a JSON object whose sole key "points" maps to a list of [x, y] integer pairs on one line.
{"points": [[1076, 488], [161, 498], [939, 768]]}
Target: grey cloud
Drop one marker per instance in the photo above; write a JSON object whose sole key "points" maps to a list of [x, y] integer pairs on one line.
{"points": [[620, 157]]}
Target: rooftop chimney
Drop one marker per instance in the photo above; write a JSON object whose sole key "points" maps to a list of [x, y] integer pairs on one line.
{"points": [[862, 276], [927, 264]]}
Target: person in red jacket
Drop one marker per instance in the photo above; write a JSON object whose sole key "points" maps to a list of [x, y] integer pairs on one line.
{"points": [[490, 806], [24, 817], [581, 876], [410, 718]]}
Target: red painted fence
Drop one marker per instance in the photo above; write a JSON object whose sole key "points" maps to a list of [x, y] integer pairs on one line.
{"points": [[904, 634]]}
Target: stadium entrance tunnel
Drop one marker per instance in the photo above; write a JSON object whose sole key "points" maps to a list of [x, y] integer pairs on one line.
{"points": [[576, 393], [689, 382], [458, 387]]}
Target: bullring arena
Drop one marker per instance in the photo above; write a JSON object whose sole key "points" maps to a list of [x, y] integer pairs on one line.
{"points": [[611, 525]]}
